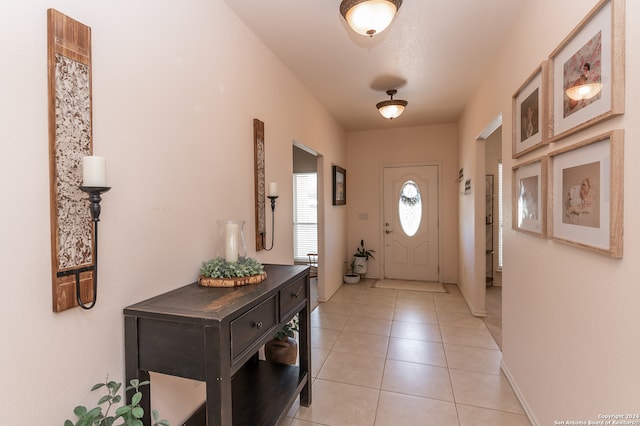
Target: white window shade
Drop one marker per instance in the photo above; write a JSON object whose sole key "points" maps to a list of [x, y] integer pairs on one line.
{"points": [[305, 215]]}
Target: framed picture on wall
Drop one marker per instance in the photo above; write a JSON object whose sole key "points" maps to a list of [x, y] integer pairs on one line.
{"points": [[530, 113], [339, 186], [588, 71], [586, 181], [530, 197]]}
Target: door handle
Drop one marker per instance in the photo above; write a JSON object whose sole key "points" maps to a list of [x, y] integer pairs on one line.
{"points": [[387, 231]]}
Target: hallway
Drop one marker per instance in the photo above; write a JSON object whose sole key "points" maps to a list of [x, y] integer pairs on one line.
{"points": [[389, 357]]}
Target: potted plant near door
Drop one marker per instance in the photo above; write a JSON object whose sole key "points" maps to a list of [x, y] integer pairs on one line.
{"points": [[351, 277], [360, 259]]}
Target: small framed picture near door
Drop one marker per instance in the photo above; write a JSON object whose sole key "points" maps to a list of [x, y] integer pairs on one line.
{"points": [[339, 186], [530, 197], [587, 187]]}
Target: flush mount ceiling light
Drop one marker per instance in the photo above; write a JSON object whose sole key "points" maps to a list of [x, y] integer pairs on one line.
{"points": [[369, 17], [393, 107]]}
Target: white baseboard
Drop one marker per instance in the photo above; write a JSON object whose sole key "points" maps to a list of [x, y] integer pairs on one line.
{"points": [[332, 293], [475, 312], [516, 390]]}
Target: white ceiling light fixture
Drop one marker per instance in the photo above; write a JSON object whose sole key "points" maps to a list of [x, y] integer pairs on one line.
{"points": [[369, 17], [392, 108]]}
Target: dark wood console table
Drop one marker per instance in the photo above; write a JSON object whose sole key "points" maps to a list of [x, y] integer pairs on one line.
{"points": [[213, 335]]}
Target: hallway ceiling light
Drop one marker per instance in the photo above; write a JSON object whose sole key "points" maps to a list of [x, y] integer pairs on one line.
{"points": [[392, 108], [369, 17]]}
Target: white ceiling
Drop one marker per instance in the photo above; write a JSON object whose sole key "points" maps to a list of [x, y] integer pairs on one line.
{"points": [[434, 53]]}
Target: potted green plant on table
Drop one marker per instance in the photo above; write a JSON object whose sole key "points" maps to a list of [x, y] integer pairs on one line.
{"points": [[126, 415], [218, 272], [283, 348], [361, 257]]}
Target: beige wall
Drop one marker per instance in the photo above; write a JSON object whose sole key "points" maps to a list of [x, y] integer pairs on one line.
{"points": [[175, 90], [570, 317], [367, 152]]}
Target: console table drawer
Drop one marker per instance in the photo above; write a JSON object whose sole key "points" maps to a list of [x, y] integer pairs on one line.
{"points": [[252, 325], [292, 295]]}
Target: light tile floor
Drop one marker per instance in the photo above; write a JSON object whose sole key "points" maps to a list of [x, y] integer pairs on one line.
{"points": [[392, 357]]}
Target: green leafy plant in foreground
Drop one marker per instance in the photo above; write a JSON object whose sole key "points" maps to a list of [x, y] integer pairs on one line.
{"points": [[220, 268], [130, 414]]}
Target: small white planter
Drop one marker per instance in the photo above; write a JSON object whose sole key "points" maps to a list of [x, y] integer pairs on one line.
{"points": [[351, 278], [360, 265]]}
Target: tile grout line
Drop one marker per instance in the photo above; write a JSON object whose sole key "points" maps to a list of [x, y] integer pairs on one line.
{"points": [[360, 295], [453, 393]]}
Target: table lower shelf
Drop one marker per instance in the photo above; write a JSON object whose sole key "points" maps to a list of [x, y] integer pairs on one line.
{"points": [[263, 393]]}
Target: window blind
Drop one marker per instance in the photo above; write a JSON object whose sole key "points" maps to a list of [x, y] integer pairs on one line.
{"points": [[305, 215]]}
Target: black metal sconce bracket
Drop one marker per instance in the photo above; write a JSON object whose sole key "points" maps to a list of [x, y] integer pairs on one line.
{"points": [[273, 209], [95, 196]]}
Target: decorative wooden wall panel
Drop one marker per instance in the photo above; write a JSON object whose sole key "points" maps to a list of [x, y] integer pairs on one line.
{"points": [[258, 143], [70, 139]]}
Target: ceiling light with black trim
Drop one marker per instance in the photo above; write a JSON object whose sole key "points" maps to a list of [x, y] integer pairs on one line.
{"points": [[369, 17], [391, 108]]}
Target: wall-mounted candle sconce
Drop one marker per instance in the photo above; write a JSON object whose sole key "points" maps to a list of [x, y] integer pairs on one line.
{"points": [[94, 184], [273, 196], [74, 242]]}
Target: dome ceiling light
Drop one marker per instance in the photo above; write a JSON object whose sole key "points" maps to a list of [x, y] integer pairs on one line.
{"points": [[392, 108], [369, 17]]}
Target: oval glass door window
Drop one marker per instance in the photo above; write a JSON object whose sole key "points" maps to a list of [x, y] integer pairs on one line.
{"points": [[410, 208]]}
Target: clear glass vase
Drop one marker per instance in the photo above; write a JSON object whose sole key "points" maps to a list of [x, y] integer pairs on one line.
{"points": [[232, 243]]}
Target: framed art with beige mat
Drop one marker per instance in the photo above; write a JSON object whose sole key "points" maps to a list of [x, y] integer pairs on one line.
{"points": [[530, 197], [586, 182], [587, 71]]}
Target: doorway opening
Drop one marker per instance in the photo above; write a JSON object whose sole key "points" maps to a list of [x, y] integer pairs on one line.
{"points": [[490, 160], [305, 214]]}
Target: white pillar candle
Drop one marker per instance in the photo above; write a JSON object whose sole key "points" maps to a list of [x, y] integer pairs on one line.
{"points": [[231, 242], [94, 171], [273, 189]]}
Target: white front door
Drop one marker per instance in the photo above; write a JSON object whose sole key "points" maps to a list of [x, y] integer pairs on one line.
{"points": [[410, 198]]}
